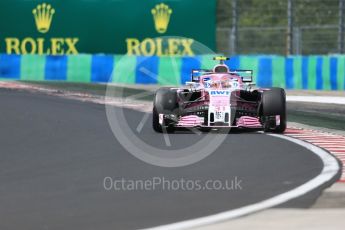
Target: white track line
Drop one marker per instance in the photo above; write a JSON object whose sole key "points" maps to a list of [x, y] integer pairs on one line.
{"points": [[330, 169], [317, 99]]}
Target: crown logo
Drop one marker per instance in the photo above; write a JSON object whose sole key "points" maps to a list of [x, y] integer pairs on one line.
{"points": [[43, 15], [161, 16]]}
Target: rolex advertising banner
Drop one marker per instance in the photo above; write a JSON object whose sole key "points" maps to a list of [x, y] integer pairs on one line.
{"points": [[135, 27]]}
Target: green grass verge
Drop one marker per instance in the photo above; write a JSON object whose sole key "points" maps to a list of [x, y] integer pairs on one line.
{"points": [[317, 119]]}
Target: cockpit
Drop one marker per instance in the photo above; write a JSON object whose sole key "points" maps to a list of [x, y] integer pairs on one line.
{"points": [[220, 77], [225, 81]]}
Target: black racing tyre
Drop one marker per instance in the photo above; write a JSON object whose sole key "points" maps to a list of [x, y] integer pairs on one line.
{"points": [[165, 102], [158, 127], [273, 104], [155, 121], [205, 129]]}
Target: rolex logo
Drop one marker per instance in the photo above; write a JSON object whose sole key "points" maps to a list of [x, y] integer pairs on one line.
{"points": [[161, 16], [43, 15]]}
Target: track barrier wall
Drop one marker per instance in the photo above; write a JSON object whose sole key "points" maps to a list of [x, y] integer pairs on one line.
{"points": [[293, 72]]}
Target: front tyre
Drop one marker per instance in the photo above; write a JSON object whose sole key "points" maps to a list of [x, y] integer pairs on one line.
{"points": [[157, 126], [155, 121], [274, 104], [165, 102]]}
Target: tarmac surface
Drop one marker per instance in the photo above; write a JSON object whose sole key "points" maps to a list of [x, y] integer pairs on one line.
{"points": [[56, 153]]}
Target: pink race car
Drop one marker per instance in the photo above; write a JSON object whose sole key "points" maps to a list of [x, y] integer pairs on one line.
{"points": [[219, 99]]}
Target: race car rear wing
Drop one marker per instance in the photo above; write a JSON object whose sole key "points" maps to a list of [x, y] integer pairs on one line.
{"points": [[246, 75]]}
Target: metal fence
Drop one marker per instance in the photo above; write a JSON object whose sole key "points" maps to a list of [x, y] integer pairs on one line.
{"points": [[263, 27]]}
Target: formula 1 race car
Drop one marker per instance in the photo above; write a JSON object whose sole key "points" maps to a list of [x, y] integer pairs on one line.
{"points": [[219, 99]]}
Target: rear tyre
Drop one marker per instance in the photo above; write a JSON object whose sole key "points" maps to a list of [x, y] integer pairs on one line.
{"points": [[274, 104], [165, 100]]}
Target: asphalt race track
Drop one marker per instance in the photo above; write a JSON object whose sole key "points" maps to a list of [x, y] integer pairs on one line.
{"points": [[55, 154]]}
